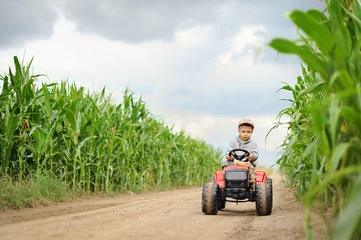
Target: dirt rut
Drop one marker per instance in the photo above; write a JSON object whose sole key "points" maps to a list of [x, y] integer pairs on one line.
{"points": [[167, 215]]}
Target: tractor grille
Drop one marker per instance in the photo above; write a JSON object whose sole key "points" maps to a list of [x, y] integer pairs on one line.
{"points": [[236, 178]]}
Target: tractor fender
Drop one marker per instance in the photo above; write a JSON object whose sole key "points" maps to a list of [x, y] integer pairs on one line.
{"points": [[260, 176], [219, 178]]}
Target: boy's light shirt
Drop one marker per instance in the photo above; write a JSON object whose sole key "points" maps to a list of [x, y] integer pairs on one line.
{"points": [[249, 145]]}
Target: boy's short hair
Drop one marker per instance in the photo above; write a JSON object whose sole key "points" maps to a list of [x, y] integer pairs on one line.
{"points": [[246, 121]]}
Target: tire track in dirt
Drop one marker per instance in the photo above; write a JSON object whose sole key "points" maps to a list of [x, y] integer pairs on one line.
{"points": [[172, 214]]}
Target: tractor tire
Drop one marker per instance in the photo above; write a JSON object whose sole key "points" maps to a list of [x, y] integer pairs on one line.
{"points": [[269, 189], [264, 198], [209, 198]]}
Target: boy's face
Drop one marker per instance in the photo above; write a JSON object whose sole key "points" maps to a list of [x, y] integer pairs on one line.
{"points": [[245, 132]]}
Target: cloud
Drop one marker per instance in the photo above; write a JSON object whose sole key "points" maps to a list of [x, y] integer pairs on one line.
{"points": [[228, 82], [138, 21], [92, 60], [22, 21], [193, 36], [142, 21]]}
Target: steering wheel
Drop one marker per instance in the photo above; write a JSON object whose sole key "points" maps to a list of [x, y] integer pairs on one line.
{"points": [[239, 157]]}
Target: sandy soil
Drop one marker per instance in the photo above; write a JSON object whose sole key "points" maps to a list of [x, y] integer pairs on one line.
{"points": [[167, 215]]}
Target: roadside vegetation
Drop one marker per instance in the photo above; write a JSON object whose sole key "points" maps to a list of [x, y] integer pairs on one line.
{"points": [[321, 155], [57, 140]]}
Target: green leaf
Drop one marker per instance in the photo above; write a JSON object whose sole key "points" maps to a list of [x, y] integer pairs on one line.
{"points": [[344, 78], [313, 61], [348, 220], [310, 148], [286, 87], [312, 89], [357, 21], [39, 137], [334, 114], [310, 58], [316, 31], [336, 155], [284, 46], [344, 43], [317, 15], [352, 115]]}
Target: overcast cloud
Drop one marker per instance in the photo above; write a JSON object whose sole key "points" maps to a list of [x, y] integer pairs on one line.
{"points": [[193, 62], [23, 20]]}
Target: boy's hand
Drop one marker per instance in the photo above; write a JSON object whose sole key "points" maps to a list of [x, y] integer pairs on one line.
{"points": [[250, 157], [229, 158]]}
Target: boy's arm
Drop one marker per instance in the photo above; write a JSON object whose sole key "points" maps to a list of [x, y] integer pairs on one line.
{"points": [[254, 152], [231, 146]]}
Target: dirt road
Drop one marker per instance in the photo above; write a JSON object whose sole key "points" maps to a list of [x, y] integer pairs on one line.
{"points": [[167, 215]]}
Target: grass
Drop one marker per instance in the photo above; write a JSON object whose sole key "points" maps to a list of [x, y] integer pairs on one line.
{"points": [[39, 190]]}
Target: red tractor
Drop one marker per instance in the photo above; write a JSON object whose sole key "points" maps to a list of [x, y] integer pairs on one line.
{"points": [[238, 183]]}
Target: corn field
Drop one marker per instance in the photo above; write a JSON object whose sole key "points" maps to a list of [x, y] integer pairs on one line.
{"points": [[90, 142], [321, 155]]}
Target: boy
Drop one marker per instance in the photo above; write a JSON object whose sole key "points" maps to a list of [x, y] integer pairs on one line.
{"points": [[243, 141]]}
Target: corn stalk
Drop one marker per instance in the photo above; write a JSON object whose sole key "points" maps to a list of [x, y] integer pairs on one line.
{"points": [[92, 143], [321, 154]]}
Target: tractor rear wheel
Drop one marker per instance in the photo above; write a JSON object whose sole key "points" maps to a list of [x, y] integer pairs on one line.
{"points": [[269, 189], [209, 198], [264, 198]]}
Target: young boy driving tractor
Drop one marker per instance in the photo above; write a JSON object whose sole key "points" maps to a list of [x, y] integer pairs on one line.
{"points": [[239, 181], [243, 141]]}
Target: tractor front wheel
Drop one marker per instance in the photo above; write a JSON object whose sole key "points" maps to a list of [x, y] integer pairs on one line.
{"points": [[209, 198]]}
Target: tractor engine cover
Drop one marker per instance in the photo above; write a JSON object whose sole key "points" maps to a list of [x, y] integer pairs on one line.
{"points": [[236, 178], [236, 181]]}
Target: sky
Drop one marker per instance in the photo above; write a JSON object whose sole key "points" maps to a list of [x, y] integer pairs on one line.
{"points": [[194, 63]]}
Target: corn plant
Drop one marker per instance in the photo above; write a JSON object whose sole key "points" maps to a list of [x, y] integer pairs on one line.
{"points": [[321, 154], [90, 142]]}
